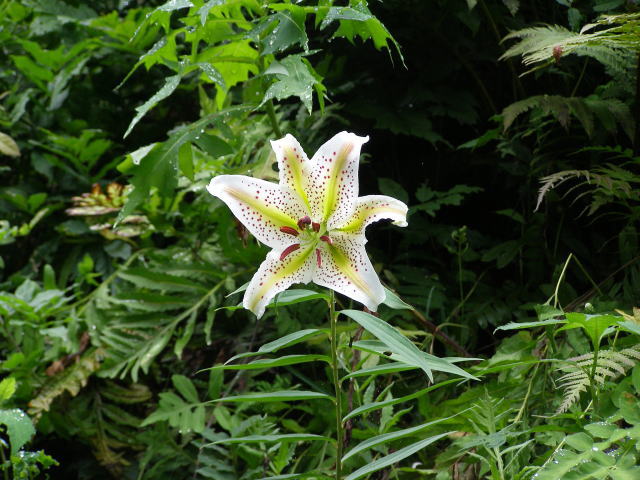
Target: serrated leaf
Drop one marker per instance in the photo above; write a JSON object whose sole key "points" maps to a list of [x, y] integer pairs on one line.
{"points": [[358, 21], [19, 428], [170, 84], [394, 457], [290, 30], [299, 81]]}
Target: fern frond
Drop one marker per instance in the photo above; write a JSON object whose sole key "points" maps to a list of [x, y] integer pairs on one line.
{"points": [[70, 380], [610, 365], [610, 41]]}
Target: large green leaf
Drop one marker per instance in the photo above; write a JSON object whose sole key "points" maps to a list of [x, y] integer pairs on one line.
{"points": [[290, 30], [159, 167], [403, 347], [19, 428]]}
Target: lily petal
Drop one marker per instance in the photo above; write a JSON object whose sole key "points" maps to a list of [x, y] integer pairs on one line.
{"points": [[372, 208], [293, 165], [346, 268], [262, 207], [333, 186], [276, 275]]}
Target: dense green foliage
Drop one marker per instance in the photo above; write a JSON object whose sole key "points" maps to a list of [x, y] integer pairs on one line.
{"points": [[508, 344]]}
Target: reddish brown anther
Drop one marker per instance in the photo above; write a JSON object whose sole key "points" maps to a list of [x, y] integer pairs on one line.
{"points": [[318, 257], [315, 226], [288, 250], [304, 222], [326, 238], [289, 230]]}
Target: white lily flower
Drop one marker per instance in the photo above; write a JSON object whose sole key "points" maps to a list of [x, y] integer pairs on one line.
{"points": [[312, 219]]}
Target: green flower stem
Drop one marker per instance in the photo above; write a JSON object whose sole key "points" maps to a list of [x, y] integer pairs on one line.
{"points": [[333, 318]]}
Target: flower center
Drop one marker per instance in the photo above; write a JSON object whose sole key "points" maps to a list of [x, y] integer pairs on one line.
{"points": [[308, 233]]}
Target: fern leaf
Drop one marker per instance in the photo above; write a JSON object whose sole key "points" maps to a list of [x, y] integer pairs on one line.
{"points": [[610, 365], [71, 380]]}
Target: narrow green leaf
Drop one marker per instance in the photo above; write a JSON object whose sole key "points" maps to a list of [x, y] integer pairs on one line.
{"points": [[282, 342], [368, 407], [296, 295], [402, 346], [279, 396], [159, 281], [288, 437], [394, 301], [387, 368], [274, 362], [521, 325], [394, 457], [389, 437]]}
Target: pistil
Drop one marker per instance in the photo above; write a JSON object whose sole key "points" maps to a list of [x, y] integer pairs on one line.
{"points": [[304, 222]]}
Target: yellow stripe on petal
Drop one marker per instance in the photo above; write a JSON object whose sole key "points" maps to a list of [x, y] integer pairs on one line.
{"points": [[333, 187], [293, 165], [262, 207], [276, 275], [370, 209], [346, 268]]}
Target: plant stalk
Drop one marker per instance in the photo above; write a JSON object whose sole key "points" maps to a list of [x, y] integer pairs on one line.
{"points": [[333, 319], [3, 459]]}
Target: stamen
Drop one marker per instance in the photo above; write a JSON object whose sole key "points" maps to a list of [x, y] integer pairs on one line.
{"points": [[326, 238], [288, 250], [318, 257], [289, 230], [315, 226], [304, 222]]}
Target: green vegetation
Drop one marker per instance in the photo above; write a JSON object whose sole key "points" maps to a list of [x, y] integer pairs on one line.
{"points": [[507, 346]]}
